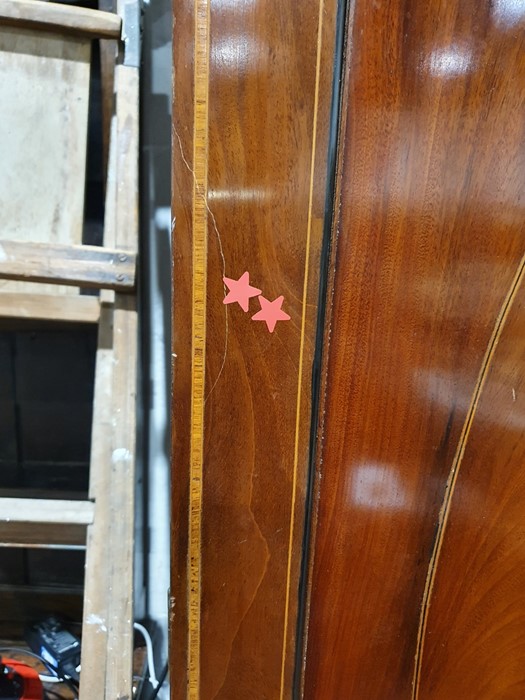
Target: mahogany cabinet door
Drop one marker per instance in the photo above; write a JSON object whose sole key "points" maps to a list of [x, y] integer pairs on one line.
{"points": [[251, 114], [417, 559]]}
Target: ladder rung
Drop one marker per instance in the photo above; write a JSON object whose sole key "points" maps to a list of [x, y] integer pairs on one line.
{"points": [[42, 510], [62, 18], [75, 265], [50, 307]]}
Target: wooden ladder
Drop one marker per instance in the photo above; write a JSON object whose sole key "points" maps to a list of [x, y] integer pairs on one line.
{"points": [[46, 263]]}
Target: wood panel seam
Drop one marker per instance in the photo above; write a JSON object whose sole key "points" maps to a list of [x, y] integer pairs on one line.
{"points": [[301, 348], [456, 464], [327, 333]]}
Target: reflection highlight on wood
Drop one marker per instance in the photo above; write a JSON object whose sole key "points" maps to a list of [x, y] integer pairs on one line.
{"points": [[515, 288], [473, 644], [429, 238], [264, 215]]}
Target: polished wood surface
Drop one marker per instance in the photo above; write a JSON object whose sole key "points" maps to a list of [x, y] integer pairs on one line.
{"points": [[473, 642], [430, 243], [252, 92]]}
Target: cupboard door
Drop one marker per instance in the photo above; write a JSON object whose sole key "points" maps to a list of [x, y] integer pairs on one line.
{"points": [[417, 565]]}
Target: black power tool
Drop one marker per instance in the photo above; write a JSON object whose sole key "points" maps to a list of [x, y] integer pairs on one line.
{"points": [[56, 645]]}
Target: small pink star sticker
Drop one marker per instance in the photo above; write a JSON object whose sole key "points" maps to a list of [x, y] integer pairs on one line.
{"points": [[271, 312], [240, 291]]}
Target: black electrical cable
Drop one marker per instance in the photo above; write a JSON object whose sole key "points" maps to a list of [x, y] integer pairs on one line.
{"points": [[162, 678]]}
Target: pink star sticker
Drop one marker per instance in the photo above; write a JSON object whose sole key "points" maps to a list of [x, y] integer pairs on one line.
{"points": [[271, 312], [240, 291]]}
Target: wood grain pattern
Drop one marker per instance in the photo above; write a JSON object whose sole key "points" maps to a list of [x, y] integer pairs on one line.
{"points": [[74, 265], [119, 668], [39, 74], [121, 522], [48, 307], [473, 637], [261, 199], [52, 536], [95, 636], [107, 638], [430, 240], [198, 335]]}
